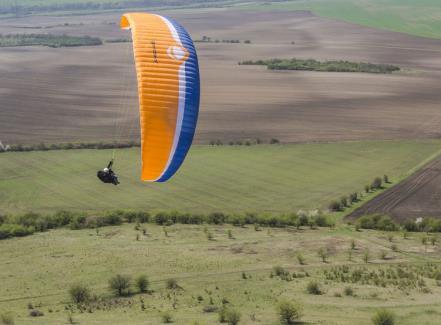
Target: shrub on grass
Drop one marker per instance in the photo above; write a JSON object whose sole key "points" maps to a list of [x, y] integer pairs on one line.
{"points": [[280, 271], [353, 197], [321, 221], [14, 230], [383, 317], [172, 284], [120, 285], [216, 218], [114, 218], [36, 313], [79, 293], [353, 244], [335, 206], [142, 217], [348, 291], [78, 222], [344, 201], [231, 316], [366, 256], [289, 312], [7, 319], [378, 222], [70, 319], [300, 259], [167, 317], [377, 183], [210, 309], [162, 218], [313, 288], [142, 283], [323, 253]]}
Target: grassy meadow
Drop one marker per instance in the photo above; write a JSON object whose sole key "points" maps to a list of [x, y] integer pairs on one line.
{"points": [[416, 17], [233, 266], [231, 179]]}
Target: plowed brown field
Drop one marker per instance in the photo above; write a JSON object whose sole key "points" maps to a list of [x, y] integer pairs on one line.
{"points": [[89, 93], [417, 196]]}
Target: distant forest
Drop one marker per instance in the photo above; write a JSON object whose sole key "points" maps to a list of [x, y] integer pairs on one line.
{"points": [[24, 7], [329, 66], [47, 40]]}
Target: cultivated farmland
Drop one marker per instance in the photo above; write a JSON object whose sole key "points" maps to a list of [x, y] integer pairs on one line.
{"points": [[258, 178], [89, 94]]}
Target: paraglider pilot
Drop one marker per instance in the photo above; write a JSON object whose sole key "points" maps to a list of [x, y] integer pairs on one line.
{"points": [[107, 175]]}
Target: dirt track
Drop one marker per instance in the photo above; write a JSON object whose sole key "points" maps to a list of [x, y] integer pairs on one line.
{"points": [[417, 196], [65, 94]]}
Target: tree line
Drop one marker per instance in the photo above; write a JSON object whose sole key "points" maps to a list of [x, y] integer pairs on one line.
{"points": [[328, 66], [349, 200], [29, 223], [68, 146], [70, 5], [49, 40], [385, 223], [207, 39]]}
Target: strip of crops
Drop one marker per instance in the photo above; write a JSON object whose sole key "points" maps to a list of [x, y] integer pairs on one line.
{"points": [[47, 40], [328, 66]]}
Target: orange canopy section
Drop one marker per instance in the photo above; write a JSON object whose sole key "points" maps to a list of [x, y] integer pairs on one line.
{"points": [[168, 87]]}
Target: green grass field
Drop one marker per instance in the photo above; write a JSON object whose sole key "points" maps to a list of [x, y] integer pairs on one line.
{"points": [[263, 178], [416, 17], [38, 270]]}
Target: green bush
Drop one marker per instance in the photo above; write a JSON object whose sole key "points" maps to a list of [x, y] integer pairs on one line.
{"points": [[14, 230], [120, 285], [36, 313], [114, 218], [344, 201], [280, 271], [142, 283], [232, 316], [378, 222], [216, 218], [383, 317], [377, 183], [162, 218], [313, 288], [335, 206], [7, 319], [348, 291], [167, 317], [323, 253], [321, 221], [210, 309], [172, 284], [79, 294], [289, 312]]}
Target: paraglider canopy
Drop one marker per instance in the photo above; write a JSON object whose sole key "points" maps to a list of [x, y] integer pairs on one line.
{"points": [[169, 92]]}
